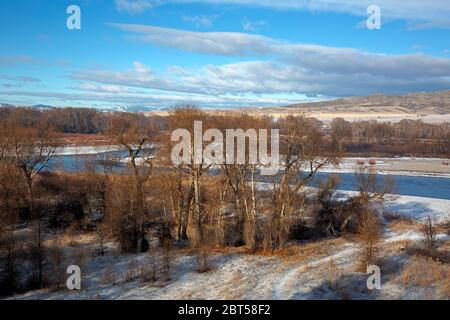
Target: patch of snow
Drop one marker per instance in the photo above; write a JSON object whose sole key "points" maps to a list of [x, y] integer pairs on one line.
{"points": [[84, 150]]}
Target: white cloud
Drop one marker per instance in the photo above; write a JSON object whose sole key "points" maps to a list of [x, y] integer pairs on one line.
{"points": [[275, 72], [292, 68], [220, 43], [200, 21], [19, 59], [279, 72], [251, 26], [17, 81], [23, 79], [435, 11], [431, 10], [316, 58], [133, 6], [421, 25], [357, 74]]}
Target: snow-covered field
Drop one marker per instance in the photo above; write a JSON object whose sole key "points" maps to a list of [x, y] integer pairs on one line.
{"points": [[409, 166], [420, 208], [417, 208], [321, 270], [85, 150]]}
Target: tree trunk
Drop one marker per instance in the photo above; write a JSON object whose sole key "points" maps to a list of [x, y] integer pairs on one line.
{"points": [[196, 208], [186, 210]]}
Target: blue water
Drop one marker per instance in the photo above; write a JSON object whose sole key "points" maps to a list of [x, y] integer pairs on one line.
{"points": [[79, 163], [430, 187]]}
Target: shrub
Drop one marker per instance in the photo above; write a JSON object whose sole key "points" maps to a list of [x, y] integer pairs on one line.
{"points": [[428, 238], [368, 235]]}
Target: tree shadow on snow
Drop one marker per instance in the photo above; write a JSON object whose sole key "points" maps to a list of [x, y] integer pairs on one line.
{"points": [[416, 210]]}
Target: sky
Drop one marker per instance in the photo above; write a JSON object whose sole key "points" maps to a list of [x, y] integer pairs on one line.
{"points": [[219, 53]]}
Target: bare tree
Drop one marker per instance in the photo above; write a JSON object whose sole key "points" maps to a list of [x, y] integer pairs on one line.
{"points": [[428, 237], [31, 150], [5, 139], [242, 177], [120, 217], [304, 153], [56, 273], [136, 136], [341, 132], [372, 188], [369, 231], [11, 195], [185, 118], [102, 233]]}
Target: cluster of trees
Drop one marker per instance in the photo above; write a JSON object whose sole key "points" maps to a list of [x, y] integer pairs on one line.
{"points": [[67, 120], [153, 199], [405, 137], [37, 204], [24, 154], [230, 204]]}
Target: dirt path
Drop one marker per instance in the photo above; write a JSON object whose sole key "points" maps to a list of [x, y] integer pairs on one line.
{"points": [[300, 279]]}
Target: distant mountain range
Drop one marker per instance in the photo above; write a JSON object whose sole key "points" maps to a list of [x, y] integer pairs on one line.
{"points": [[419, 103], [110, 109], [138, 109]]}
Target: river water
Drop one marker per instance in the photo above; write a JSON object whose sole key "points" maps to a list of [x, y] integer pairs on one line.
{"points": [[420, 186]]}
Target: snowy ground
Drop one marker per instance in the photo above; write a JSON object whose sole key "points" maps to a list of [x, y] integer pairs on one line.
{"points": [[410, 166], [420, 208], [322, 270], [417, 208], [84, 150]]}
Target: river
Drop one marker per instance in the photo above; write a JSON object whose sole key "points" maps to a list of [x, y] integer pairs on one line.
{"points": [[419, 186]]}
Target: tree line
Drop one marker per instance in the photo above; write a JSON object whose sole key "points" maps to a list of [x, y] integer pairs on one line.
{"points": [[406, 137]]}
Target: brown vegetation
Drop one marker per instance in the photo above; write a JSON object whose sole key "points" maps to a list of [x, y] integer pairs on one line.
{"points": [[152, 205]]}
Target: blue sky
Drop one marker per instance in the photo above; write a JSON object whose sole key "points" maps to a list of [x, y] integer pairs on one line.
{"points": [[216, 53]]}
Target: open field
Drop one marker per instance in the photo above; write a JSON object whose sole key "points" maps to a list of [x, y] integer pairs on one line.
{"points": [[354, 116], [397, 166], [428, 107], [327, 117], [88, 140]]}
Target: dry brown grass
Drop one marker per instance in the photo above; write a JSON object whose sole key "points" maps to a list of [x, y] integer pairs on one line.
{"points": [[69, 238], [425, 273], [78, 139], [394, 247], [308, 250], [404, 225]]}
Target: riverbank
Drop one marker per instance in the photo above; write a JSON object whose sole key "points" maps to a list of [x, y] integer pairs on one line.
{"points": [[408, 166]]}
